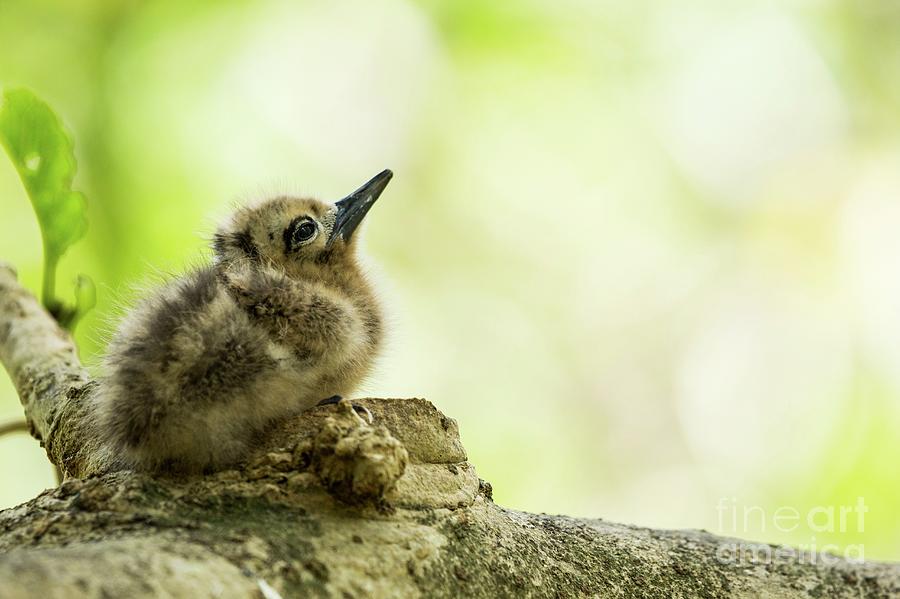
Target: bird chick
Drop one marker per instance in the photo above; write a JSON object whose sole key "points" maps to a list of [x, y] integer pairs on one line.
{"points": [[283, 318]]}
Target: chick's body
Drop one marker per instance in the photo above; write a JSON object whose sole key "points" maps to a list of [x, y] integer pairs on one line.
{"points": [[283, 319]]}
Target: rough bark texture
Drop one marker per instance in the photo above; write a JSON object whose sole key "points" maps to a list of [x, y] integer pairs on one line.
{"points": [[331, 506]]}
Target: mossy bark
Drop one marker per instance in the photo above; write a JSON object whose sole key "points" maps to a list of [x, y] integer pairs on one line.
{"points": [[331, 506]]}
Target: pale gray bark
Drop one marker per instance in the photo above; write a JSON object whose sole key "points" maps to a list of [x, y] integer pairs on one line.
{"points": [[331, 506]]}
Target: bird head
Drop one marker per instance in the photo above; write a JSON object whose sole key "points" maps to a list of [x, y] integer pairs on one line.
{"points": [[307, 238]]}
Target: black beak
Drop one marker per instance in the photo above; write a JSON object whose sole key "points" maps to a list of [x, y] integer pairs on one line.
{"points": [[352, 209]]}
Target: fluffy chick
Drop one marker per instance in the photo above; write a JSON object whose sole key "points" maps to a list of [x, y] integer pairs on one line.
{"points": [[283, 318]]}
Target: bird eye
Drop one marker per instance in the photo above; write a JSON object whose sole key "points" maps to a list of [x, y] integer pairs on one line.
{"points": [[301, 231], [304, 231]]}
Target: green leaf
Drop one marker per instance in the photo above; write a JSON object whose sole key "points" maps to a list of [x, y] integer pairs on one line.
{"points": [[41, 151]]}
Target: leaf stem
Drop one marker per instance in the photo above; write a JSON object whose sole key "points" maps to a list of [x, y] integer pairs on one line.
{"points": [[48, 288]]}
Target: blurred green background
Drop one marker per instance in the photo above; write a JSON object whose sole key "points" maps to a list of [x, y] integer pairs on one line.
{"points": [[647, 253]]}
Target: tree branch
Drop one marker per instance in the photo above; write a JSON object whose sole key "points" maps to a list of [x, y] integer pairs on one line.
{"points": [[43, 364], [331, 506], [16, 426]]}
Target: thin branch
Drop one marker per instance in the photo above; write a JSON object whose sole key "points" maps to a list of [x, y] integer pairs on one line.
{"points": [[16, 426]]}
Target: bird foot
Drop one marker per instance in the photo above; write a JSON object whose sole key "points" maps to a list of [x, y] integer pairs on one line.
{"points": [[363, 411]]}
